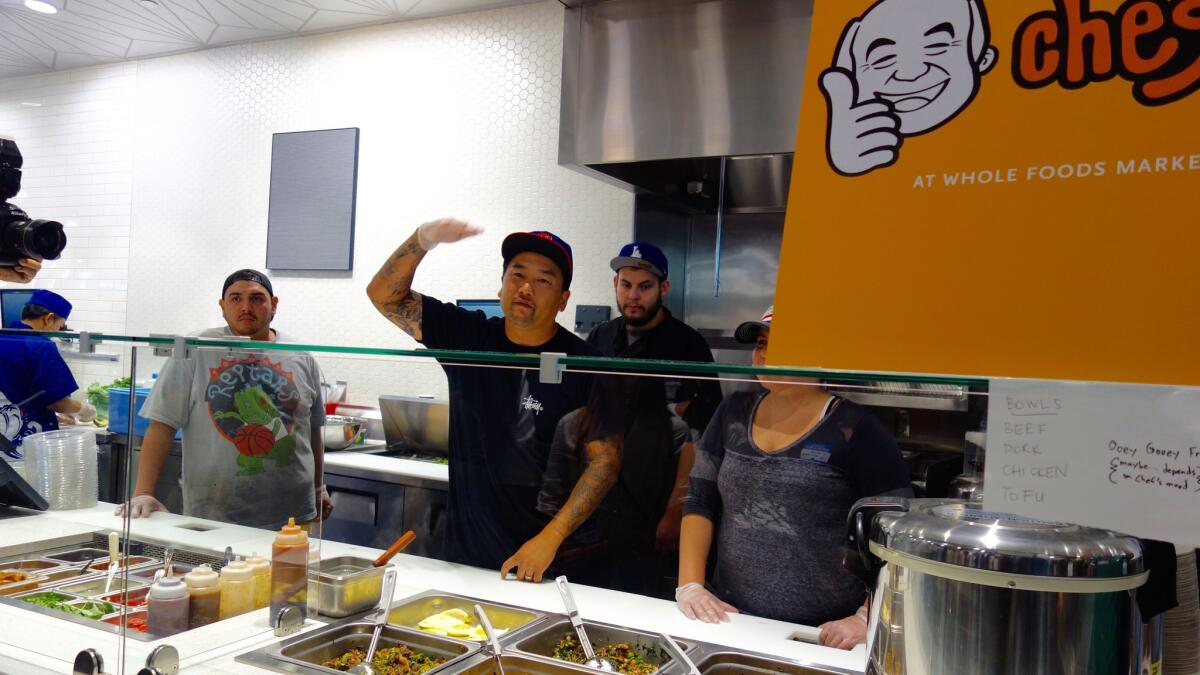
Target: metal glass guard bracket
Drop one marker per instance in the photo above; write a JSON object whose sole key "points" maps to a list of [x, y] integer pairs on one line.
{"points": [[550, 368], [178, 350], [87, 350]]}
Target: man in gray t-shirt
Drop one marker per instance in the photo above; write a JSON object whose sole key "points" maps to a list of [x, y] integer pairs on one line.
{"points": [[251, 422]]}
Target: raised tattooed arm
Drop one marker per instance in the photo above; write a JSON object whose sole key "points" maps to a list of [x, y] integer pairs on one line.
{"points": [[391, 289]]}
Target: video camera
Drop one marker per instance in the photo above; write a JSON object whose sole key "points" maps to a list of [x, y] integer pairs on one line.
{"points": [[21, 237]]}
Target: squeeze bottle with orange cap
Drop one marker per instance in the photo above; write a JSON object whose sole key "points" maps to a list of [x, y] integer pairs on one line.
{"points": [[289, 569]]}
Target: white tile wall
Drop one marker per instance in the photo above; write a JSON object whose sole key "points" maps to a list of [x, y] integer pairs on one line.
{"points": [[75, 130], [459, 116]]}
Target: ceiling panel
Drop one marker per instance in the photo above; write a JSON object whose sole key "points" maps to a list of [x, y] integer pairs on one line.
{"points": [[91, 32]]}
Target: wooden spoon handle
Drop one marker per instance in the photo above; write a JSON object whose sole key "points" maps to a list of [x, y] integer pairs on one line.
{"points": [[399, 545]]}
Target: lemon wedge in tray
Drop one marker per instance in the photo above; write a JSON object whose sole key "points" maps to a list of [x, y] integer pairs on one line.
{"points": [[454, 623]]}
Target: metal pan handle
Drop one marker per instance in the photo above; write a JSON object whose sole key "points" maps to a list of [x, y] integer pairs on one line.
{"points": [[857, 556]]}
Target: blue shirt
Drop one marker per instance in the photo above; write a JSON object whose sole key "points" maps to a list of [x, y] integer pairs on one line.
{"points": [[33, 376]]}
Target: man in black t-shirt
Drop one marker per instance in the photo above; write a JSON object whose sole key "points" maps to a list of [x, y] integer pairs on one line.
{"points": [[502, 420], [641, 515]]}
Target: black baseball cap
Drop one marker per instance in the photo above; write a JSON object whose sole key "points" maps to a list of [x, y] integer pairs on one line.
{"points": [[541, 242], [747, 331], [248, 275]]}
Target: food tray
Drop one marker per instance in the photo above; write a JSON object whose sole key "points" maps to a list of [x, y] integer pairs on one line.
{"points": [[109, 608], [137, 618], [510, 619], [62, 575], [724, 662], [79, 555], [544, 640], [30, 564], [31, 582], [131, 562], [147, 573], [94, 588], [347, 585], [314, 649], [133, 599], [515, 663]]}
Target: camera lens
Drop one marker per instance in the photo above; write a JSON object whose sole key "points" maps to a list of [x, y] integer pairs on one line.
{"points": [[43, 239]]}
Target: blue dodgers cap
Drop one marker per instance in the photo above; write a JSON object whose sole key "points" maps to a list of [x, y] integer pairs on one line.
{"points": [[544, 243], [51, 301], [642, 255]]}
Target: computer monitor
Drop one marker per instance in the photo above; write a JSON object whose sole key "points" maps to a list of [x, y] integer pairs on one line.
{"points": [[489, 307], [11, 302]]}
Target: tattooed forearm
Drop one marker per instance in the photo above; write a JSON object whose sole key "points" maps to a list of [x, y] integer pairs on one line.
{"points": [[391, 288], [604, 466]]}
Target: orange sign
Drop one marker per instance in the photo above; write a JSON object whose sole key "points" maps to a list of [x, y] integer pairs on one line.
{"points": [[989, 187]]}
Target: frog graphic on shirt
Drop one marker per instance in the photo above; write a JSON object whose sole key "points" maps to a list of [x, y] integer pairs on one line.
{"points": [[252, 402]]}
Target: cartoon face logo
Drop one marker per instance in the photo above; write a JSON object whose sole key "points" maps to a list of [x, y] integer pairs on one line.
{"points": [[252, 403], [904, 68]]}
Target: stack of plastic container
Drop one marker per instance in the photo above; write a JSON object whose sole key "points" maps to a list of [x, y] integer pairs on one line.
{"points": [[61, 466]]}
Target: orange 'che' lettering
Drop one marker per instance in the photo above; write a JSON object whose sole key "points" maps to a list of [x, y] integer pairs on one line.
{"points": [[1155, 44]]}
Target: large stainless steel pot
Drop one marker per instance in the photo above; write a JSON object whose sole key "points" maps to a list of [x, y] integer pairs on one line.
{"points": [[961, 591]]}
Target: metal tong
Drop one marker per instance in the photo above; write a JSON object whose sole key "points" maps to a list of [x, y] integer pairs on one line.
{"points": [[385, 603], [678, 655], [564, 589], [493, 640]]}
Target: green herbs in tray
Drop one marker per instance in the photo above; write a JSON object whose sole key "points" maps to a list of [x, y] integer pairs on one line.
{"points": [[92, 609]]}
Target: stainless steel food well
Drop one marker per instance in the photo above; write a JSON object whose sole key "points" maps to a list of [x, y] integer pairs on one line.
{"points": [[79, 555], [306, 653], [94, 588], [506, 618], [720, 661], [516, 664], [543, 640], [347, 585]]}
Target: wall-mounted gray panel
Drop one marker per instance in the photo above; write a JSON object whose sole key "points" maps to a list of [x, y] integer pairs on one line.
{"points": [[314, 179]]}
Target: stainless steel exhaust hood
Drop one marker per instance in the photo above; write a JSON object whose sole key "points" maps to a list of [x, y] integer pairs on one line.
{"points": [[655, 92]]}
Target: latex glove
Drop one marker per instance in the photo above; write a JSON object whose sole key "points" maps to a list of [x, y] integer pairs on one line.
{"points": [[141, 506], [87, 413], [324, 503], [697, 602], [23, 272], [845, 633], [666, 535], [444, 230], [532, 559]]}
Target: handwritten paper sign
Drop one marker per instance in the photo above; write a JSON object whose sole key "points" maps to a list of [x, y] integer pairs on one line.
{"points": [[1116, 456]]}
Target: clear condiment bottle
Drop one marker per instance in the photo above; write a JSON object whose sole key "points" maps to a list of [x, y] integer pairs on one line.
{"points": [[237, 589], [204, 596], [261, 567], [167, 607], [289, 569]]}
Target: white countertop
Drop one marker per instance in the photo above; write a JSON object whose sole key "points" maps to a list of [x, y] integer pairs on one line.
{"points": [[383, 468], [44, 642]]}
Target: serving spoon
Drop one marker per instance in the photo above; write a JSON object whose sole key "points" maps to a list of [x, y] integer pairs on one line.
{"points": [[564, 589]]}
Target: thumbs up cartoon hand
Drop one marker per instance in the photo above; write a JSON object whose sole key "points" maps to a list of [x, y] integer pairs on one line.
{"points": [[860, 137]]}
